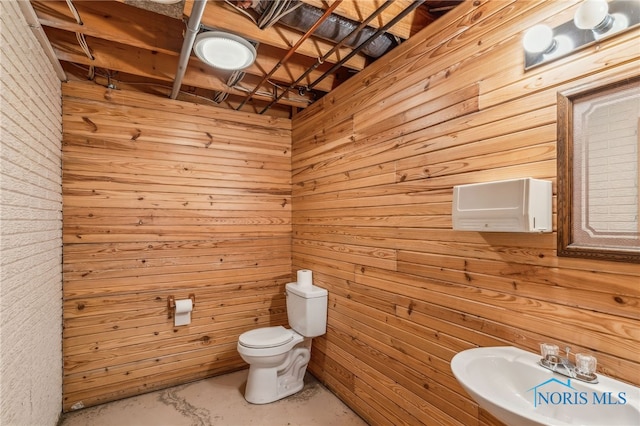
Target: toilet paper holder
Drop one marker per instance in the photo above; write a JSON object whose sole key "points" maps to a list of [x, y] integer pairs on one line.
{"points": [[171, 303]]}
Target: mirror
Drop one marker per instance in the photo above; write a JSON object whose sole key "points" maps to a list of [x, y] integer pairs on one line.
{"points": [[599, 171]]}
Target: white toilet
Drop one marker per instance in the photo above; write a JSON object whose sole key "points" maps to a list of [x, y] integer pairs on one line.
{"points": [[278, 357]]}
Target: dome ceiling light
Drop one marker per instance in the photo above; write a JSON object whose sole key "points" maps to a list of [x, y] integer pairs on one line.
{"points": [[224, 51]]}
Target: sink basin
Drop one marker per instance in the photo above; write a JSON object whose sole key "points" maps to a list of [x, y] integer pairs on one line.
{"points": [[509, 384]]}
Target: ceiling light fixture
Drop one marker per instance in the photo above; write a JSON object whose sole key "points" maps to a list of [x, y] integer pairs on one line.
{"points": [[224, 50]]}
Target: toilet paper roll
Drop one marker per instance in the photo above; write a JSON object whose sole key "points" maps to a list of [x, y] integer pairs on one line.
{"points": [[305, 278], [183, 312]]}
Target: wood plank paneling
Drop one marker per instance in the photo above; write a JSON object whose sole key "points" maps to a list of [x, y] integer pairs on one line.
{"points": [[374, 165], [167, 198]]}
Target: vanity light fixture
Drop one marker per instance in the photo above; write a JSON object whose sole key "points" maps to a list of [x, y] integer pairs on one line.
{"points": [[224, 50], [593, 21]]}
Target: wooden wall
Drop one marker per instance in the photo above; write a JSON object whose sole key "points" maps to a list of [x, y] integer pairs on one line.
{"points": [[374, 164], [167, 198]]}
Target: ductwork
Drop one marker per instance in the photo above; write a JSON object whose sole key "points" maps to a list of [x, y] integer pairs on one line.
{"points": [[301, 16]]}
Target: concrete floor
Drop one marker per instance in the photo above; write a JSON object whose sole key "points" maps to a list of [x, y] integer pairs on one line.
{"points": [[219, 401]]}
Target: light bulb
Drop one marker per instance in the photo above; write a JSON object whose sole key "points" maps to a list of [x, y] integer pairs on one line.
{"points": [[593, 15], [538, 39]]}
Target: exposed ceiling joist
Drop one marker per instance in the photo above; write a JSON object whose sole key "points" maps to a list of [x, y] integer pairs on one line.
{"points": [[137, 43]]}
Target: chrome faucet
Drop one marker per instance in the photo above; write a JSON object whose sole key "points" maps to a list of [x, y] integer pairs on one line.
{"points": [[551, 360], [569, 367]]}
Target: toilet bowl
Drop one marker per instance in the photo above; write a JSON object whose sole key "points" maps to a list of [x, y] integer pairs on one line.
{"points": [[277, 356]]}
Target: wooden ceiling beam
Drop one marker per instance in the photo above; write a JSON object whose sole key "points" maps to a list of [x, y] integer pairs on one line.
{"points": [[131, 82], [141, 62], [116, 22]]}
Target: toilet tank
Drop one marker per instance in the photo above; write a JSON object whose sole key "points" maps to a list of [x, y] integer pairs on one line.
{"points": [[307, 309]]}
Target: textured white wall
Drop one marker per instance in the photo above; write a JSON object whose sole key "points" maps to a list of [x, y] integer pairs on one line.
{"points": [[612, 167], [30, 223]]}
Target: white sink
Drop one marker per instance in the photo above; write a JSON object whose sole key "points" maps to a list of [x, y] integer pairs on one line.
{"points": [[508, 383]]}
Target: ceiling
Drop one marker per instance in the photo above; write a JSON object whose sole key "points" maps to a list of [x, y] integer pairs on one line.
{"points": [[136, 45]]}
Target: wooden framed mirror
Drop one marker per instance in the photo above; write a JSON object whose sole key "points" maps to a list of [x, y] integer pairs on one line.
{"points": [[599, 171]]}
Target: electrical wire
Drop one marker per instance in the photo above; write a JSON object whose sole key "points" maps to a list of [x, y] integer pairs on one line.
{"points": [[275, 10], [74, 11], [82, 41], [241, 10]]}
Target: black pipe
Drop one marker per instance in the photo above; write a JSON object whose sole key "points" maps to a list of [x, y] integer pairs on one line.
{"points": [[319, 61], [381, 30], [327, 13], [336, 27]]}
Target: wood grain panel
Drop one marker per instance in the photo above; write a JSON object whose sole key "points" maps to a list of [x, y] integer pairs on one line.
{"points": [[164, 198], [451, 106]]}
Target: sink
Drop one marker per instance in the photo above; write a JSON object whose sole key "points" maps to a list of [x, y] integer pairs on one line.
{"points": [[509, 384]]}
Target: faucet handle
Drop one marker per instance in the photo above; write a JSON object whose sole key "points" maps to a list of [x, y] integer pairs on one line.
{"points": [[567, 350], [586, 364], [548, 349]]}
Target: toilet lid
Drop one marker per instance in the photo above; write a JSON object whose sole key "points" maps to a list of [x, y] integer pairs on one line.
{"points": [[267, 337]]}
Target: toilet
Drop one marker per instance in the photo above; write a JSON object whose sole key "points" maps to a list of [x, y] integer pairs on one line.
{"points": [[277, 356]]}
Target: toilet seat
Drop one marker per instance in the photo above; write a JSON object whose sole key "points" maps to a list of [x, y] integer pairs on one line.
{"points": [[266, 337]]}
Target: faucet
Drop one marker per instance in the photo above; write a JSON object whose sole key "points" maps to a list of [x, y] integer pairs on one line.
{"points": [[551, 360], [569, 367]]}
